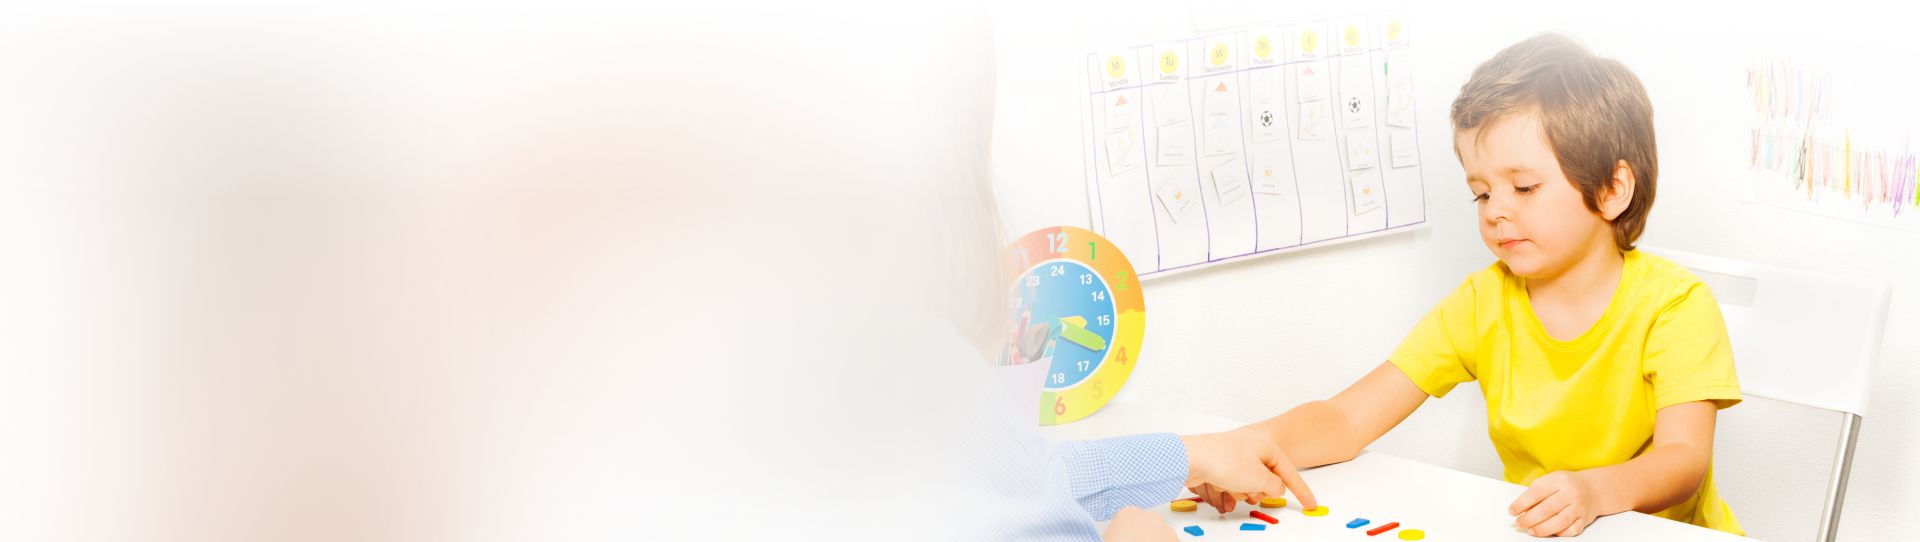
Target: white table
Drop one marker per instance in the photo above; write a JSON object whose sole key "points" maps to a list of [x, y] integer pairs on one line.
{"points": [[1445, 503]]}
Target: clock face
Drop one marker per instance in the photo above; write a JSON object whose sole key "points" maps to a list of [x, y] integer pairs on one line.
{"points": [[1061, 293], [1074, 305]]}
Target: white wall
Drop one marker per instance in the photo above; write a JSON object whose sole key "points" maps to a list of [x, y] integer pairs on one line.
{"points": [[1250, 339]]}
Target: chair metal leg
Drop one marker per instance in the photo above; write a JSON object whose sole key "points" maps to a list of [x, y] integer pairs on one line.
{"points": [[1837, 483]]}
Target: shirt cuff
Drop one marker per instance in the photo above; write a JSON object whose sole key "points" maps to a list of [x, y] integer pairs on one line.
{"points": [[1135, 470]]}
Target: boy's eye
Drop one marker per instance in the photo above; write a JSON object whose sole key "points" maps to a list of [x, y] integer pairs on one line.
{"points": [[1480, 197], [1527, 189]]}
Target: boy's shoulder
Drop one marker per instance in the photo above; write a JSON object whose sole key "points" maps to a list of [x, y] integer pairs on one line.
{"points": [[1662, 279], [1492, 280]]}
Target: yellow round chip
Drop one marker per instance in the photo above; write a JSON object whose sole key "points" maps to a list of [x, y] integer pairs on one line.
{"points": [[1315, 511], [1273, 502], [1412, 534], [1185, 506]]}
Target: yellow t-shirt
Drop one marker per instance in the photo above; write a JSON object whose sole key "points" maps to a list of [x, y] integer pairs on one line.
{"points": [[1588, 402]]}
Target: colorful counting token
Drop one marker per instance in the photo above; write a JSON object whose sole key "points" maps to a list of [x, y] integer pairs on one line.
{"points": [[1273, 502], [1262, 516], [1184, 505], [1357, 523], [1412, 534], [1194, 530], [1315, 511], [1251, 526], [1383, 528]]}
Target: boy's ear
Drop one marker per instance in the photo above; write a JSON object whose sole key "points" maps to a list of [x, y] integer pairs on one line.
{"points": [[1619, 191]]}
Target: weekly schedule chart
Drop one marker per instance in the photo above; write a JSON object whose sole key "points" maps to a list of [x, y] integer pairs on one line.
{"points": [[1257, 140]]}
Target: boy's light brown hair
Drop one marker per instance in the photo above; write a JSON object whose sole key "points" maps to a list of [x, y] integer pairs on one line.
{"points": [[1593, 110]]}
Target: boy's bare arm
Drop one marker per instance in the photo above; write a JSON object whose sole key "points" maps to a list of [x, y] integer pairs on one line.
{"points": [[1335, 430], [1670, 471], [1563, 503]]}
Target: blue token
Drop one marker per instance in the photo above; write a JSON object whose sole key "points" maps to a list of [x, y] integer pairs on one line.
{"points": [[1194, 530], [1355, 524], [1253, 526]]}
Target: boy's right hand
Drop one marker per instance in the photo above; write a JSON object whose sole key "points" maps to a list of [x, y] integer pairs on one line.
{"points": [[1241, 465]]}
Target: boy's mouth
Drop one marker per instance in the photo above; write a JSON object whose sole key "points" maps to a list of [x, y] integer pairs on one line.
{"points": [[1510, 243]]}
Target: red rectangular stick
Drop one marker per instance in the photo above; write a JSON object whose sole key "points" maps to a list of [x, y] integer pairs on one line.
{"points": [[1194, 499], [1383, 528], [1263, 516]]}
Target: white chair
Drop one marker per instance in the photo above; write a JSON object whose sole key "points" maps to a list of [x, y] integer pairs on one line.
{"points": [[1802, 338]]}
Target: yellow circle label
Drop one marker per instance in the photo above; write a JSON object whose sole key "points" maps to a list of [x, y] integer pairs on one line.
{"points": [[1262, 47], [1309, 40], [1352, 35], [1393, 30], [1219, 54], [1169, 62], [1116, 67]]}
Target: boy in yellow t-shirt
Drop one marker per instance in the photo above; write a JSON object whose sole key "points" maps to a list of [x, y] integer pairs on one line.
{"points": [[1603, 367]]}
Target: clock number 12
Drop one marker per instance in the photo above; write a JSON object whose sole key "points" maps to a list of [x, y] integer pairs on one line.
{"points": [[1057, 243]]}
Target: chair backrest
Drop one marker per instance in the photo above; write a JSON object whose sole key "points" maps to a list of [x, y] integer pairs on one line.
{"points": [[1799, 338]]}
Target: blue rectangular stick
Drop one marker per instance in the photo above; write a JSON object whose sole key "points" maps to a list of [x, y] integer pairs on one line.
{"points": [[1194, 530], [1253, 526], [1355, 524]]}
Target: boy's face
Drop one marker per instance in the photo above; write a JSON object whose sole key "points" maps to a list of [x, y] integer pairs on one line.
{"points": [[1531, 216]]}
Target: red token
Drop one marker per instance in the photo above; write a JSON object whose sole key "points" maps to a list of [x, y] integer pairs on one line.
{"points": [[1383, 528], [1263, 516]]}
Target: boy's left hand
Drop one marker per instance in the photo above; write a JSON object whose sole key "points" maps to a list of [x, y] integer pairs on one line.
{"points": [[1562, 503]]}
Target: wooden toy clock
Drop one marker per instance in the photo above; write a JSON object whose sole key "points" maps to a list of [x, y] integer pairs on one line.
{"points": [[1074, 303]]}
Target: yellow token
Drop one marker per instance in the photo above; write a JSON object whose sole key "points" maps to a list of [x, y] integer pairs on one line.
{"points": [[1185, 506], [1273, 502], [1412, 534], [1315, 511]]}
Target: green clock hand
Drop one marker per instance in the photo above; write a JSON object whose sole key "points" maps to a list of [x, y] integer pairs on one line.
{"points": [[1079, 335]]}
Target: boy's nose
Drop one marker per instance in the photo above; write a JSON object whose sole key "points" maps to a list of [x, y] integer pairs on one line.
{"points": [[1495, 211]]}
